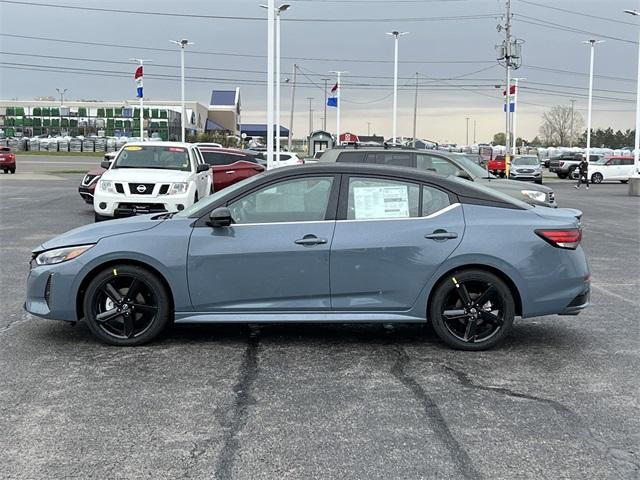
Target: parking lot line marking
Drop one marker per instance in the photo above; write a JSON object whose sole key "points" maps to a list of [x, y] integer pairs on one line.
{"points": [[624, 299]]}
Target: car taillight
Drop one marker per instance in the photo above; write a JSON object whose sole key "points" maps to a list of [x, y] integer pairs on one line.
{"points": [[568, 238]]}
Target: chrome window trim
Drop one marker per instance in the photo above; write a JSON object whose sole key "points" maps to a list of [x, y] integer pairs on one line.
{"points": [[433, 215]]}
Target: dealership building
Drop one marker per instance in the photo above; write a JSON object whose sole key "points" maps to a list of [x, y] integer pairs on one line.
{"points": [[33, 118]]}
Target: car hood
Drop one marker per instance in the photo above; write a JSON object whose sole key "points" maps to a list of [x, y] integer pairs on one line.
{"points": [[146, 175], [504, 184], [96, 231]]}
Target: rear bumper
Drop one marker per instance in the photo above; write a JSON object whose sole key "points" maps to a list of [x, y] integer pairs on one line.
{"points": [[579, 303], [7, 164]]}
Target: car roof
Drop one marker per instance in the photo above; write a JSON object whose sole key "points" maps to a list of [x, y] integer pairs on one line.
{"points": [[159, 144], [234, 151]]}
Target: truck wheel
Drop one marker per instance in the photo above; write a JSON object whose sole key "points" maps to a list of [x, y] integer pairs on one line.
{"points": [[573, 174], [562, 175]]}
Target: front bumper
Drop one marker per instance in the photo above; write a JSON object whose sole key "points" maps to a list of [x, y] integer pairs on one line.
{"points": [[49, 291], [120, 205], [86, 193], [525, 176]]}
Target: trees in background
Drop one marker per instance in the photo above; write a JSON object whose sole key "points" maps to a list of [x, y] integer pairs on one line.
{"points": [[607, 138], [560, 126]]}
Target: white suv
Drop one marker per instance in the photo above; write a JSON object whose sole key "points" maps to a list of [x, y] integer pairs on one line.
{"points": [[152, 177]]}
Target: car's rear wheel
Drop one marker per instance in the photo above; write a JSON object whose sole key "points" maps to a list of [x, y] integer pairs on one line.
{"points": [[13, 170], [562, 175], [126, 305], [6, 170], [597, 178], [472, 310]]}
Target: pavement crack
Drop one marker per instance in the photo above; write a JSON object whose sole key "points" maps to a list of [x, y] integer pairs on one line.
{"points": [[621, 459], [15, 323], [240, 408], [433, 413]]}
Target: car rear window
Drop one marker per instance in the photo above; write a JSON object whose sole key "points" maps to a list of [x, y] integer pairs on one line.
{"points": [[351, 157], [225, 158]]}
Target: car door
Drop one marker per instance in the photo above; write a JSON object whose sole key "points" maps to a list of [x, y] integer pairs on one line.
{"points": [[626, 168], [276, 254], [611, 170], [390, 238]]}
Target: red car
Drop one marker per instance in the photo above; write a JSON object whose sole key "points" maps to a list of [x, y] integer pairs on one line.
{"points": [[229, 165], [497, 165], [7, 160], [90, 180]]}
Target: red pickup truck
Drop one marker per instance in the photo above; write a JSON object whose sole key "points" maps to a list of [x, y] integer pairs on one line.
{"points": [[7, 160], [497, 166]]}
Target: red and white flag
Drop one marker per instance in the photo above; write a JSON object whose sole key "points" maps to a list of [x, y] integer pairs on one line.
{"points": [[138, 78]]}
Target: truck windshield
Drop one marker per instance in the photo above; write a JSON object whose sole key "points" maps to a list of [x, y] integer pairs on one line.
{"points": [[159, 157]]}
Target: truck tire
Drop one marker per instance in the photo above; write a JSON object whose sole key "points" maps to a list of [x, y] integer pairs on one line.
{"points": [[562, 175]]}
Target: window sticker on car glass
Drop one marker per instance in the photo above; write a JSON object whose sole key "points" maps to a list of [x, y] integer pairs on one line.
{"points": [[132, 148], [381, 202]]}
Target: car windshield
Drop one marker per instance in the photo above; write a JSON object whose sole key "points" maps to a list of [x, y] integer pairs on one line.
{"points": [[525, 161], [205, 202], [160, 157], [472, 168]]}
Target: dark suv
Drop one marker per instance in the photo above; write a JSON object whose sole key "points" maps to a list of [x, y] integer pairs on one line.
{"points": [[445, 163]]}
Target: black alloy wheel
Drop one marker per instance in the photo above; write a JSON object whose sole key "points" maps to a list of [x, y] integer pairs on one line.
{"points": [[597, 178], [472, 310], [126, 305]]}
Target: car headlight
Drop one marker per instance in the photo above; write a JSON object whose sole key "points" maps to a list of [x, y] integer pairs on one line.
{"points": [[60, 255], [107, 186], [534, 195], [178, 188]]}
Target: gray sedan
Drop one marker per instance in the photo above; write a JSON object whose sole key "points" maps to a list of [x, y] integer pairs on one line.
{"points": [[321, 243]]}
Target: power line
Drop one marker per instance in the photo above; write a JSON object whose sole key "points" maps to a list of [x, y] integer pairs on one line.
{"points": [[260, 19], [236, 54], [577, 13]]}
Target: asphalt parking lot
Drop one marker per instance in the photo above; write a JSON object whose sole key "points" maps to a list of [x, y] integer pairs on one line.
{"points": [[558, 400]]}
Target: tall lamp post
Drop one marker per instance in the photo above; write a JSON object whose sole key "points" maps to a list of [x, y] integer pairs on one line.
{"points": [[592, 44], [62, 92], [277, 11], [182, 44], [140, 91], [395, 35], [634, 181], [514, 135]]}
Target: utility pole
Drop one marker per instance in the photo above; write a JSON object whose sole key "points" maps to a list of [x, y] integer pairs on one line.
{"points": [[293, 99], [474, 132], [310, 116], [324, 119], [415, 113], [62, 92], [509, 53], [573, 103], [339, 103], [467, 137], [515, 113]]}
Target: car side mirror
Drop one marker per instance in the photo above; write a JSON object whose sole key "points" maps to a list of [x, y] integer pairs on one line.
{"points": [[220, 217], [105, 164], [202, 167], [463, 174]]}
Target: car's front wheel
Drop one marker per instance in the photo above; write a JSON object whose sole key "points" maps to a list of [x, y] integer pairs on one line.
{"points": [[472, 310], [126, 305], [597, 178], [561, 175]]}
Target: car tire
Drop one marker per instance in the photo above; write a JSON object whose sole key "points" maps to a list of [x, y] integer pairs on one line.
{"points": [[470, 325], [597, 178], [195, 198], [117, 319], [100, 218], [562, 175], [6, 170], [573, 175], [538, 181], [13, 170]]}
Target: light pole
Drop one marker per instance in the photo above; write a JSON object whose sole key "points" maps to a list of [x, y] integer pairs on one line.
{"points": [[634, 181], [395, 35], [592, 43], [338, 103], [467, 137], [324, 119], [277, 11], [183, 116], [310, 116], [62, 92], [271, 14]]}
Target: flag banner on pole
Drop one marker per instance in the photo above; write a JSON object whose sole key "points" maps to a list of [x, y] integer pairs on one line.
{"points": [[334, 89], [512, 107], [512, 91], [138, 78], [332, 102]]}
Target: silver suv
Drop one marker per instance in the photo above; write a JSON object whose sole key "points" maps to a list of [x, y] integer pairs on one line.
{"points": [[445, 163]]}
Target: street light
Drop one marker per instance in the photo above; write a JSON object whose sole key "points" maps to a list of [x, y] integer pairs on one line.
{"points": [[277, 11], [514, 135], [592, 43], [634, 181], [182, 44], [62, 92], [395, 35]]}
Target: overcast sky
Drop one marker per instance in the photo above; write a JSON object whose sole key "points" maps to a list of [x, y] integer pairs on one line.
{"points": [[454, 55]]}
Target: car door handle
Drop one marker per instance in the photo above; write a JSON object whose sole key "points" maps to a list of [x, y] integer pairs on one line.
{"points": [[310, 240], [441, 235]]}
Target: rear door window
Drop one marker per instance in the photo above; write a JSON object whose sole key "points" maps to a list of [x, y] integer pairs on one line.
{"points": [[351, 157], [378, 199]]}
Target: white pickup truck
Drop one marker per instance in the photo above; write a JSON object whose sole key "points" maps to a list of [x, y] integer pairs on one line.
{"points": [[152, 177]]}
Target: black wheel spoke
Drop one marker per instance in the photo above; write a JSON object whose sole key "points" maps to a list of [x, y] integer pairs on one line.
{"points": [[463, 293], [108, 315], [470, 332], [455, 314], [142, 308], [134, 289], [112, 293], [484, 296], [491, 318], [129, 330]]}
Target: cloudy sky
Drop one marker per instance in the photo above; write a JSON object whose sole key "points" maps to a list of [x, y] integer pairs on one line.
{"points": [[450, 45]]}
